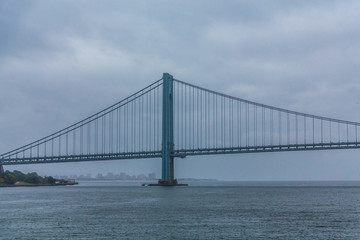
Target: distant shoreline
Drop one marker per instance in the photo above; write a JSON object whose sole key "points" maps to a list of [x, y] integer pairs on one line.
{"points": [[37, 185], [24, 184], [19, 179], [147, 180]]}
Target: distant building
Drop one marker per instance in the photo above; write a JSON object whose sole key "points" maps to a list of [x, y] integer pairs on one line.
{"points": [[152, 176], [110, 176], [141, 177], [122, 176], [73, 176], [99, 176]]}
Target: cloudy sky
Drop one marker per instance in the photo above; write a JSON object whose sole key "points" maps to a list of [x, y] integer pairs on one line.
{"points": [[61, 61]]}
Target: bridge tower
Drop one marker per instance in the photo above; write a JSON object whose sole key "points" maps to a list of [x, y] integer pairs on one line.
{"points": [[167, 178], [1, 169]]}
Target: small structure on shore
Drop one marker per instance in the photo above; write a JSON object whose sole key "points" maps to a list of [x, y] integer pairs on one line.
{"points": [[63, 182]]}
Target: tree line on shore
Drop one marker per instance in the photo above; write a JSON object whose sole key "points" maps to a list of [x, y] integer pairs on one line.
{"points": [[10, 178]]}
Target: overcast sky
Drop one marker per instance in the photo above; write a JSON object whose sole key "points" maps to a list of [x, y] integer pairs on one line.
{"points": [[61, 61]]}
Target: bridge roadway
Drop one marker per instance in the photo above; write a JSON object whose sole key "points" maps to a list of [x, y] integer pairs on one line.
{"points": [[181, 153]]}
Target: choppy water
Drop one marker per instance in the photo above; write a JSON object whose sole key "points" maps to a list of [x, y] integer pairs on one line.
{"points": [[217, 210]]}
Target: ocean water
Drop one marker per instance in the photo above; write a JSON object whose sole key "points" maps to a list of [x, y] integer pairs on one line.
{"points": [[204, 210]]}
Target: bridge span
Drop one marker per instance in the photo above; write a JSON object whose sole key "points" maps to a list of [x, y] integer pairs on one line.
{"points": [[173, 119]]}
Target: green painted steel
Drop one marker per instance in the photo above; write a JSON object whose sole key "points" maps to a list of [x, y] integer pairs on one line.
{"points": [[167, 129]]}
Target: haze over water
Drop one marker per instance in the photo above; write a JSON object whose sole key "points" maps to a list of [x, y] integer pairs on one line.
{"points": [[204, 210]]}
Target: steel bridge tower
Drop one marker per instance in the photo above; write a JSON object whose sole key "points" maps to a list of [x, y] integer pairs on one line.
{"points": [[167, 178]]}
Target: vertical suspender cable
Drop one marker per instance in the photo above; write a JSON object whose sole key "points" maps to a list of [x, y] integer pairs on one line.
{"points": [[158, 117], [304, 129], [66, 140], [183, 117], [271, 126], [214, 122], [205, 120], [103, 133], [131, 125], [124, 129], [279, 127], [313, 129], [209, 120], [136, 126], [247, 125], [177, 118], [240, 124], [263, 126], [223, 121], [43, 146], [230, 124], [338, 131], [193, 118], [118, 130], [206, 94], [186, 118], [111, 131], [154, 118], [149, 121], [322, 131], [88, 137], [330, 131], [255, 124], [198, 119], [296, 128], [288, 127], [141, 110], [95, 134], [201, 117], [152, 122], [139, 124], [127, 125], [356, 137], [60, 145]]}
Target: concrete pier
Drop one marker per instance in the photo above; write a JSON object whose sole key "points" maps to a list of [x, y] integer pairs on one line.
{"points": [[166, 183]]}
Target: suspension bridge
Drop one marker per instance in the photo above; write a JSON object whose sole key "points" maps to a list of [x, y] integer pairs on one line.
{"points": [[173, 119]]}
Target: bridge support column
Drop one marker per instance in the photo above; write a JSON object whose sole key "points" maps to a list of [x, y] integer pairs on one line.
{"points": [[167, 178], [1, 169], [167, 131]]}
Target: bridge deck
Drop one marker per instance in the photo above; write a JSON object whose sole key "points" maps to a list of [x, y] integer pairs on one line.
{"points": [[181, 153]]}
